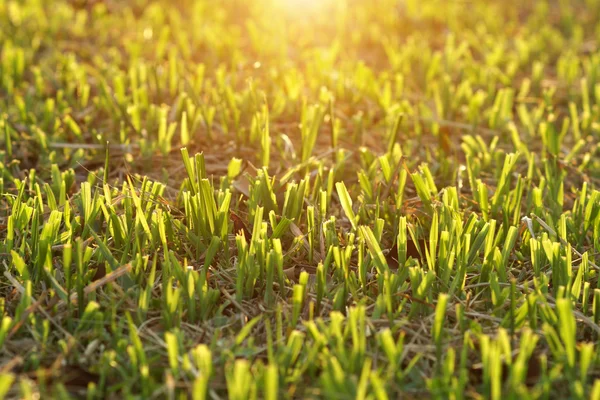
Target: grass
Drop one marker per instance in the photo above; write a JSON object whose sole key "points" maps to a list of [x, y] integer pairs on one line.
{"points": [[272, 199]]}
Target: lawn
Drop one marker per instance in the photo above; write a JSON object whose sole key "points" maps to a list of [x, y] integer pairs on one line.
{"points": [[285, 199]]}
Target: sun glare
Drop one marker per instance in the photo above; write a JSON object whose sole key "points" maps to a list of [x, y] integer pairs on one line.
{"points": [[303, 5]]}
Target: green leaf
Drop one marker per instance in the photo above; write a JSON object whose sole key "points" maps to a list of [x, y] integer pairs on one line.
{"points": [[346, 202], [246, 330]]}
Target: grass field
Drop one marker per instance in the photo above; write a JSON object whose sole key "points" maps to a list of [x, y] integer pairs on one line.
{"points": [[340, 199]]}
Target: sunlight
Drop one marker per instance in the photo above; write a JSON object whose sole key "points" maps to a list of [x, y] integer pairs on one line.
{"points": [[302, 5]]}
